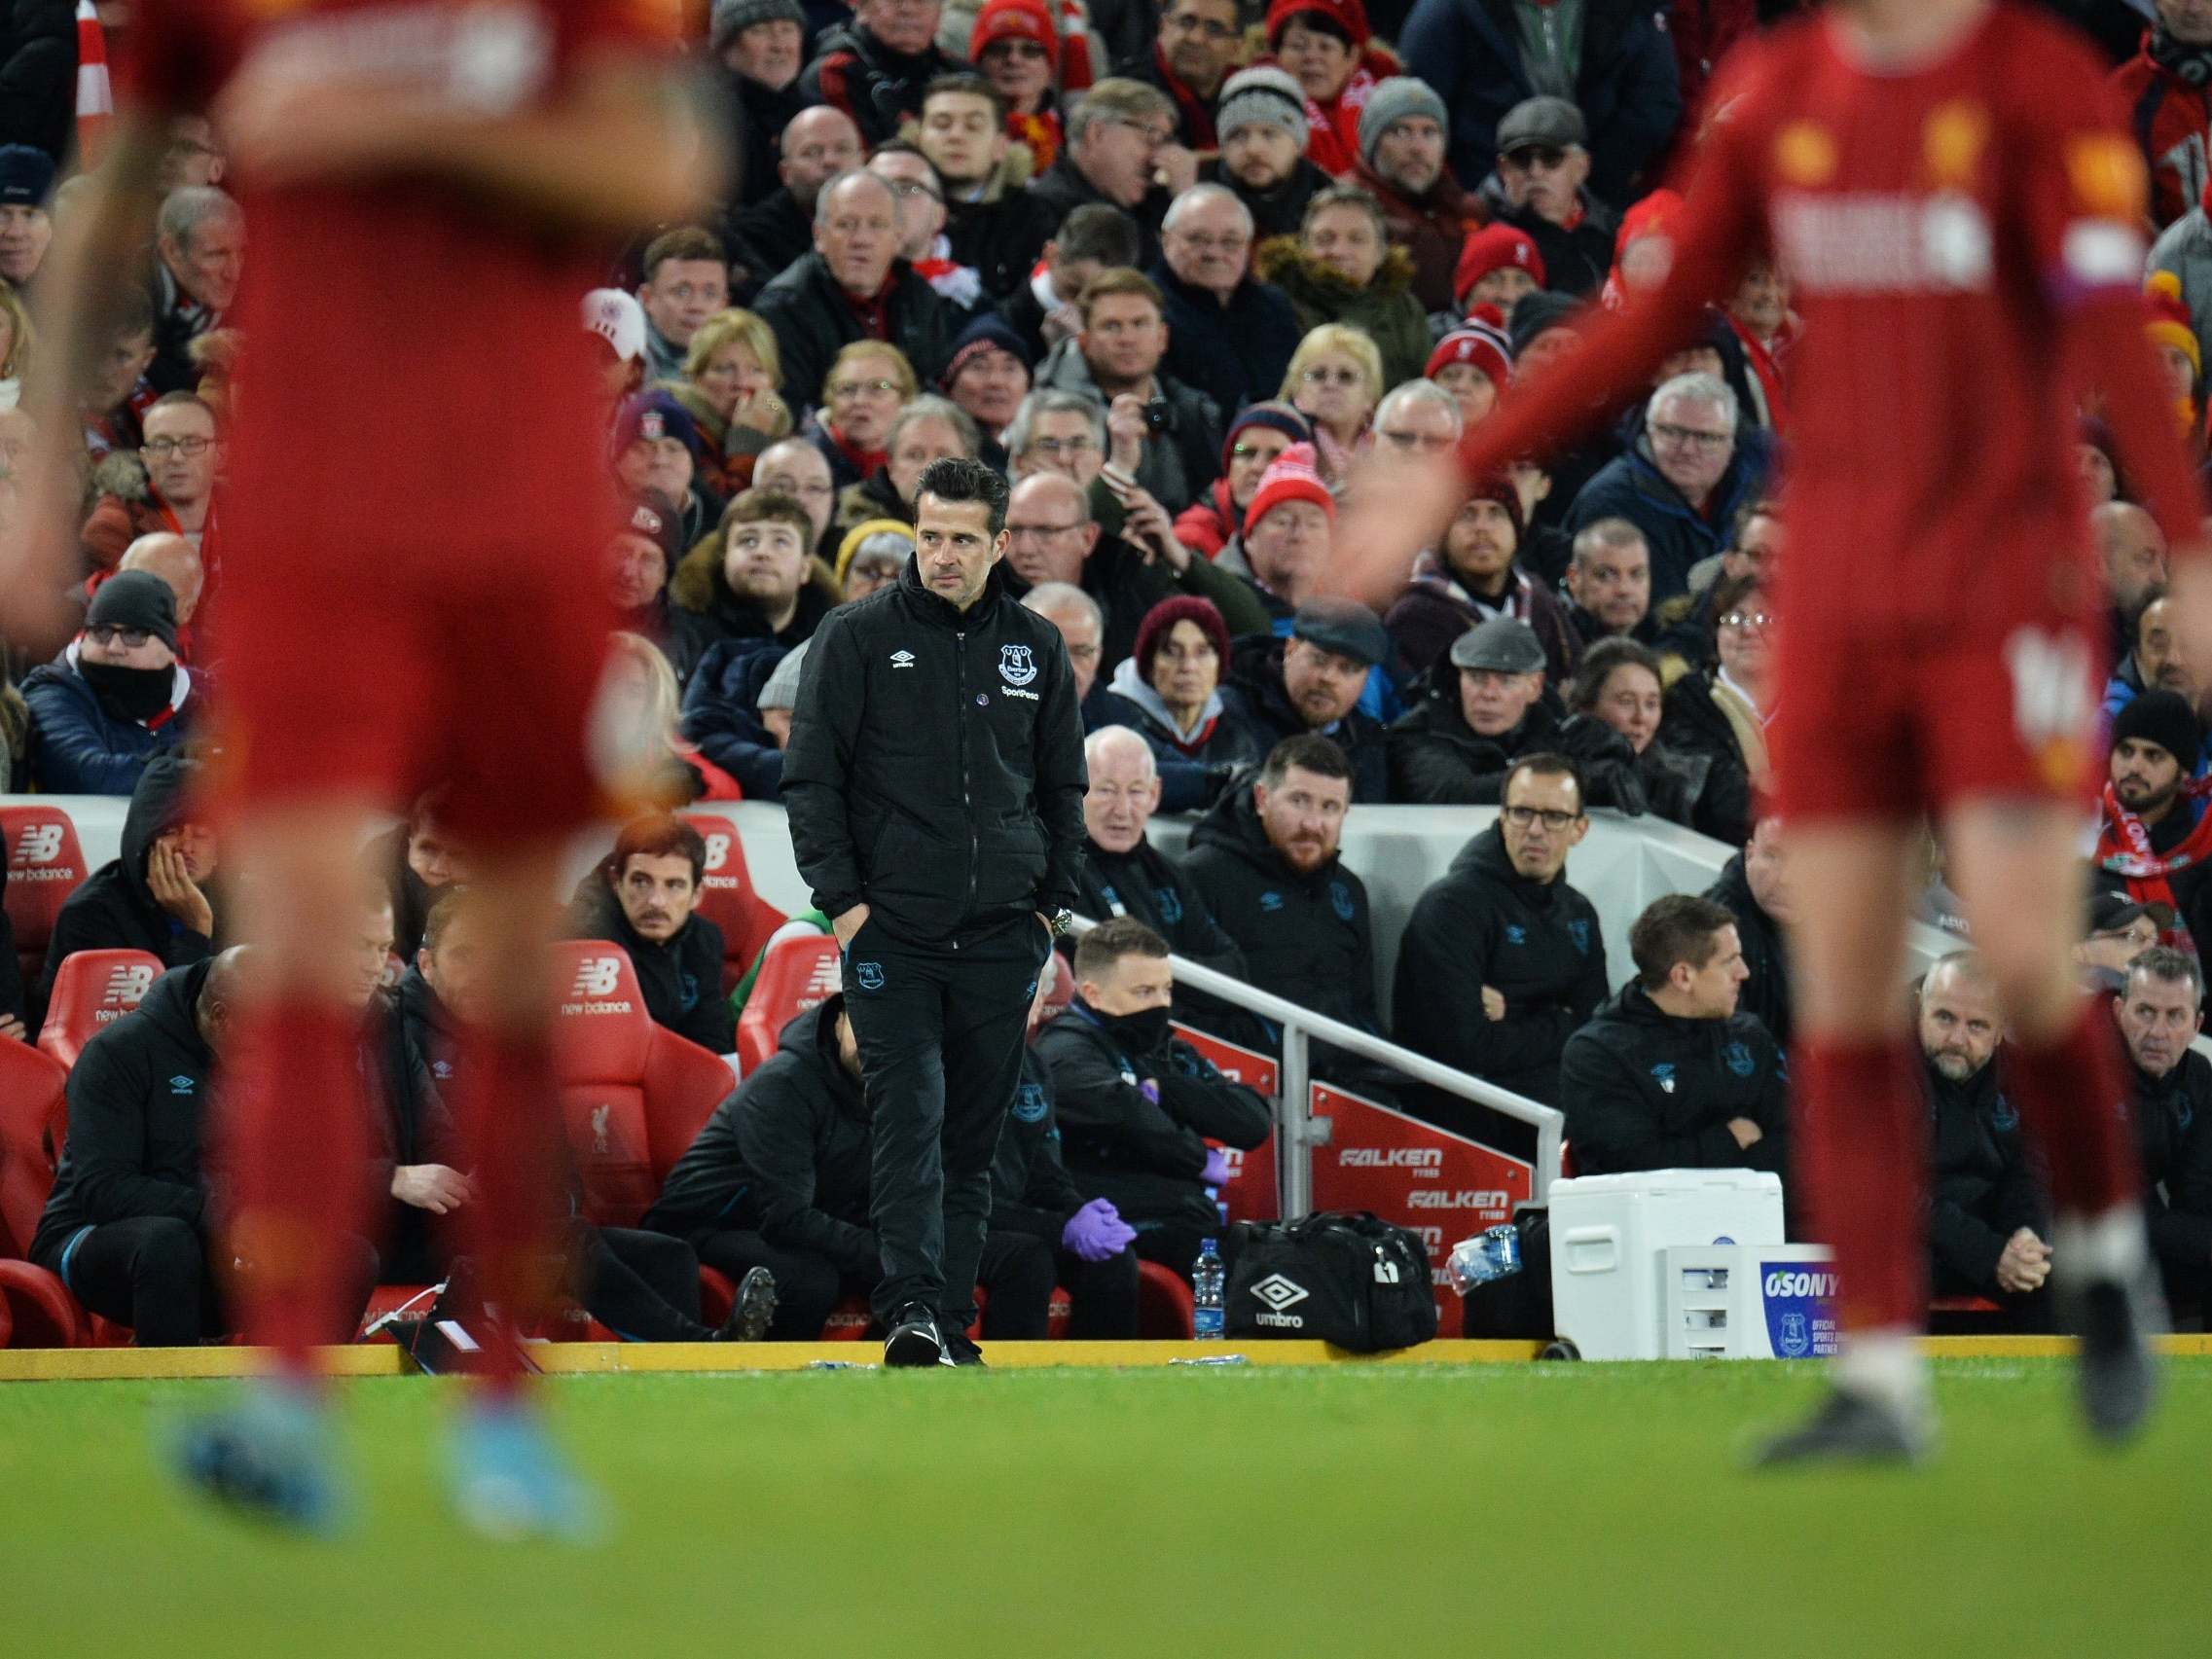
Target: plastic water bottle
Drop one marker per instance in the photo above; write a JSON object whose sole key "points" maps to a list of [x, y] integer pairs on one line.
{"points": [[1489, 1255], [1208, 1281]]}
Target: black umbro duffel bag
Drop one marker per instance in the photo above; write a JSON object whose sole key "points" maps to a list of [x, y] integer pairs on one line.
{"points": [[1337, 1276]]}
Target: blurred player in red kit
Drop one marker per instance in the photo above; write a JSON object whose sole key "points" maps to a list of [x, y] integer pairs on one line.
{"points": [[1960, 218], [417, 467]]}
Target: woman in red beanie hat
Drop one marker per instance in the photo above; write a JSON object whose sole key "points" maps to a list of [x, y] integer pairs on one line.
{"points": [[1257, 437], [1327, 45], [1017, 47], [1169, 693]]}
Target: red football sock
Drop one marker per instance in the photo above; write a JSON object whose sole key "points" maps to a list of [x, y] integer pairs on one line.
{"points": [[508, 1106], [1860, 1129], [296, 1130], [2072, 1097]]}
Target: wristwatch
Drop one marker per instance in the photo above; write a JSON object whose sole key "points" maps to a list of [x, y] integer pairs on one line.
{"points": [[1061, 922]]}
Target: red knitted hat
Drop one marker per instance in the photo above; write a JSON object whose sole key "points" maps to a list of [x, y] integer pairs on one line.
{"points": [[1293, 477], [1014, 19], [1350, 16], [1480, 340], [1492, 248], [1160, 621]]}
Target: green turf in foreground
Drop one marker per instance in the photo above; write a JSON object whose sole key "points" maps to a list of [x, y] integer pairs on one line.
{"points": [[1564, 1509]]}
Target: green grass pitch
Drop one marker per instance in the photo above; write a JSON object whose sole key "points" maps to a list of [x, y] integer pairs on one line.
{"points": [[1570, 1510]]}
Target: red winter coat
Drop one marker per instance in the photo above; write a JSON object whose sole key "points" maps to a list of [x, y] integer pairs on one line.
{"points": [[2170, 120]]}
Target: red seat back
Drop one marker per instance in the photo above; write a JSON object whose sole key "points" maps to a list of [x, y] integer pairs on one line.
{"points": [[34, 1121], [91, 991], [801, 972], [604, 1039], [45, 862], [727, 899]]}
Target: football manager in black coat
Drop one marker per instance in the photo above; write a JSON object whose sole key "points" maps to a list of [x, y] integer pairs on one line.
{"points": [[1669, 1076], [935, 781]]}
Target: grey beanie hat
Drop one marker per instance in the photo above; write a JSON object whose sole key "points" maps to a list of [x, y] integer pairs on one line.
{"points": [[732, 18], [1266, 95], [1393, 102]]}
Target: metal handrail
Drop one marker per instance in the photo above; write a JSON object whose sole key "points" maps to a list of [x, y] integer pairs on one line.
{"points": [[1298, 1132]]}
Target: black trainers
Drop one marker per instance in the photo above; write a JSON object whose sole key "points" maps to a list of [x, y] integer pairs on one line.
{"points": [[753, 1307], [2117, 1376], [1848, 1429], [962, 1351], [915, 1339]]}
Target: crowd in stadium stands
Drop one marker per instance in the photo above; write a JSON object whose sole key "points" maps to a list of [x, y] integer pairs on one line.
{"points": [[1175, 267]]}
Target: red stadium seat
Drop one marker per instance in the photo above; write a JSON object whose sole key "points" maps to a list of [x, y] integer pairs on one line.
{"points": [[801, 972], [1165, 1305], [727, 897], [634, 1096], [45, 865], [93, 990], [33, 1122]]}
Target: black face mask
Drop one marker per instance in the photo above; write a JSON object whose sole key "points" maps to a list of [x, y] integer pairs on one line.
{"points": [[129, 694], [1136, 1034]]}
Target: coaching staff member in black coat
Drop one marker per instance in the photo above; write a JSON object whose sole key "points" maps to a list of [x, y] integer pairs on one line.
{"points": [[935, 781]]}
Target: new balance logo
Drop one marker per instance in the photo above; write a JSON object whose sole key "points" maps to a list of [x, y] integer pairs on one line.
{"points": [[717, 852], [823, 982], [596, 976], [39, 844], [127, 987], [902, 659]]}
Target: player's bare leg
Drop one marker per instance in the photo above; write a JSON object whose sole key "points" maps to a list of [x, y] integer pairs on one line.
{"points": [[1859, 1133], [293, 1133], [2016, 869]]}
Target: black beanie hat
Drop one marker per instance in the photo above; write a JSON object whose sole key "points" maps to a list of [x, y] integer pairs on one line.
{"points": [[2163, 718], [1538, 312], [135, 599]]}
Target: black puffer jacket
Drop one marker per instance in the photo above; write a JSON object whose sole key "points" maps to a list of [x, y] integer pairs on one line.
{"points": [[1256, 697], [1643, 1089], [1143, 1154], [812, 322], [2173, 1123], [935, 769], [1535, 943], [1690, 723], [878, 88], [1308, 938], [1437, 759], [681, 979], [1766, 993], [138, 1107], [1983, 1189], [114, 910], [786, 1155]]}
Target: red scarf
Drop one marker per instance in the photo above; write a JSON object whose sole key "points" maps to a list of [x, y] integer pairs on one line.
{"points": [[1040, 131], [1196, 115], [2123, 847], [864, 461]]}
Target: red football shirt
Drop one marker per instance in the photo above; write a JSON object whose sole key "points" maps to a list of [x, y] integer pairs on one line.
{"points": [[416, 377], [1962, 238]]}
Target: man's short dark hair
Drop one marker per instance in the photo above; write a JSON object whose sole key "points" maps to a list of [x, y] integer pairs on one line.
{"points": [[956, 479], [1308, 751], [1729, 591], [657, 834], [1104, 946], [180, 400], [1098, 230], [1546, 763], [1681, 927], [684, 242], [2171, 967], [1599, 665], [966, 85]]}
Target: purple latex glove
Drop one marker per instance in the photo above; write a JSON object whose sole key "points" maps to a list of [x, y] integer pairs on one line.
{"points": [[1150, 1090], [1097, 1233], [1216, 1171]]}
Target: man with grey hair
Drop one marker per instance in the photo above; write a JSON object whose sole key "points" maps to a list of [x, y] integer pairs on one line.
{"points": [[1229, 335], [1986, 1222], [854, 286], [1416, 418], [2160, 1010], [1057, 431], [200, 248], [816, 146], [1121, 144], [1682, 484], [1125, 875], [1083, 627], [876, 65]]}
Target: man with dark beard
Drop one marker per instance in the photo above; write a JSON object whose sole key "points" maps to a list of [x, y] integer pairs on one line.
{"points": [[2156, 836]]}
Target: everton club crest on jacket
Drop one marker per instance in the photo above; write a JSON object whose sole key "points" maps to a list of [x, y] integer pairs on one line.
{"points": [[965, 805]]}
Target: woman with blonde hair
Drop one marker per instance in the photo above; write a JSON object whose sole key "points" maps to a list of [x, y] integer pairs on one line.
{"points": [[643, 755], [1335, 380], [866, 385], [15, 344], [732, 384]]}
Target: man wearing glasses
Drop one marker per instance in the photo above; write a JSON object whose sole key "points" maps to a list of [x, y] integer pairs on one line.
{"points": [[1502, 961], [1539, 188], [1191, 57], [1682, 485], [1121, 150], [171, 489], [116, 697]]}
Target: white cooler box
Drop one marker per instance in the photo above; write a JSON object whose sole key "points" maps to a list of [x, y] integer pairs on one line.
{"points": [[1608, 1239], [1750, 1301]]}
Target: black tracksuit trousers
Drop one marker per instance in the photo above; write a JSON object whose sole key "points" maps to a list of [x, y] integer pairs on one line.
{"points": [[940, 1029]]}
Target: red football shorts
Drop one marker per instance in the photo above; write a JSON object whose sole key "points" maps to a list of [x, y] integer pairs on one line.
{"points": [[1895, 722], [378, 676]]}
